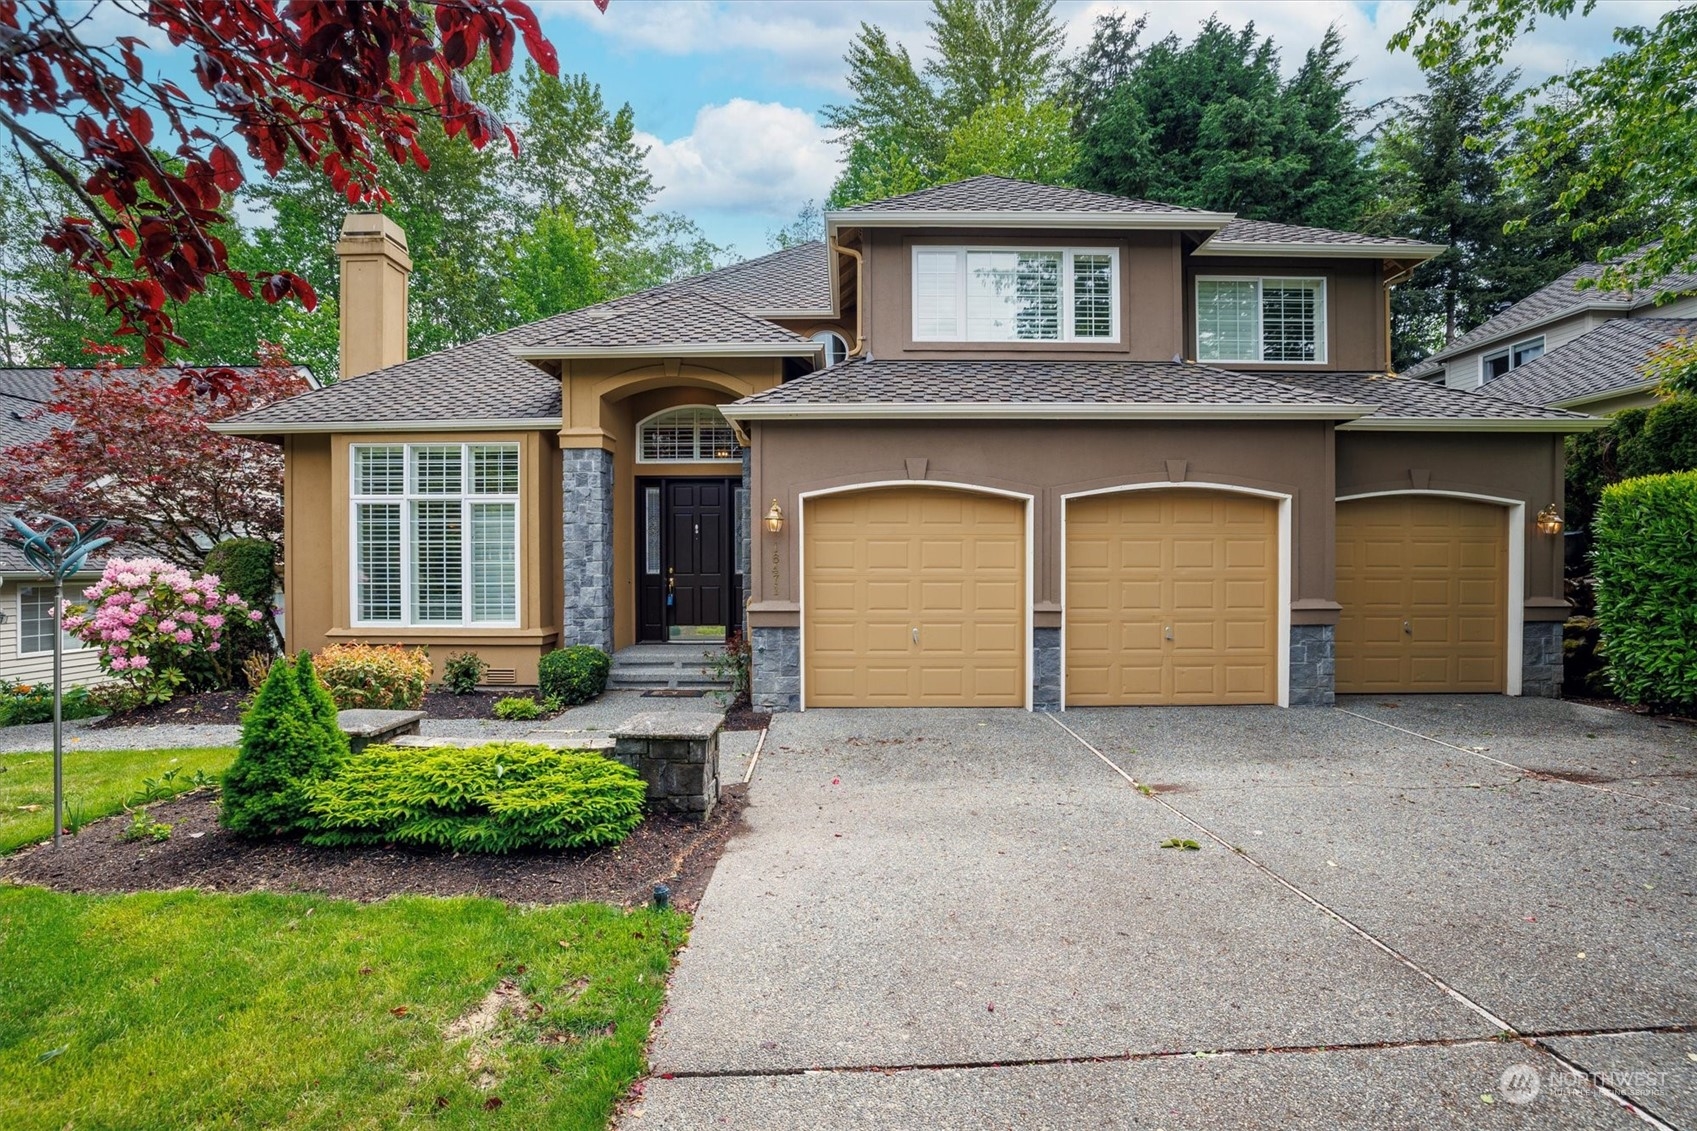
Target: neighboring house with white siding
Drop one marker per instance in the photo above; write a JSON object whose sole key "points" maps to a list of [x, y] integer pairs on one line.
{"points": [[26, 604], [1600, 369]]}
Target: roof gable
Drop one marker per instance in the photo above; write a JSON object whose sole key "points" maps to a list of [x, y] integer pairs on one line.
{"points": [[1609, 359]]}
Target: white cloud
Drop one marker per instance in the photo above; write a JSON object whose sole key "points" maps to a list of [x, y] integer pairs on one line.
{"points": [[743, 156]]}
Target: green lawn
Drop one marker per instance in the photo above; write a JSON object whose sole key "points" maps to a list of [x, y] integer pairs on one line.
{"points": [[191, 1010], [97, 783]]}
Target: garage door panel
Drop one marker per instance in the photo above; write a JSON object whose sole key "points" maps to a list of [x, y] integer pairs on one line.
{"points": [[1436, 563], [886, 562], [1201, 563]]}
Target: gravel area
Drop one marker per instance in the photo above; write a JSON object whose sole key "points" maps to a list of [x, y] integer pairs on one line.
{"points": [[79, 735]]}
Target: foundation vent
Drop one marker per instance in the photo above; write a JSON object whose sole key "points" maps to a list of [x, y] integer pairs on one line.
{"points": [[501, 676]]}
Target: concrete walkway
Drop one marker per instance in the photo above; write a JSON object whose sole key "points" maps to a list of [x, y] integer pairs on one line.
{"points": [[965, 919]]}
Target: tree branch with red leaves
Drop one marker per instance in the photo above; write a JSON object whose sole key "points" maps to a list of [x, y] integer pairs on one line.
{"points": [[327, 83]]}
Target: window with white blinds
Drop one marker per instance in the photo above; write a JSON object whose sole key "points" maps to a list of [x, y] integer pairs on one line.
{"points": [[36, 621], [435, 534], [1260, 319], [970, 294]]}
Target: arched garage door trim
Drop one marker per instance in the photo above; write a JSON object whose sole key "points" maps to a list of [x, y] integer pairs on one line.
{"points": [[1025, 499], [1516, 510], [1283, 559]]}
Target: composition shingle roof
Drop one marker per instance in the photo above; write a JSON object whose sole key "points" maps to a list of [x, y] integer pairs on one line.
{"points": [[1556, 300], [1002, 194], [1263, 231], [1405, 398], [1605, 360], [482, 380], [1034, 382], [672, 315], [1037, 383]]}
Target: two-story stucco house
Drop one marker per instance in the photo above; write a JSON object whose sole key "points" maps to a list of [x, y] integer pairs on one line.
{"points": [[1570, 344], [991, 443]]}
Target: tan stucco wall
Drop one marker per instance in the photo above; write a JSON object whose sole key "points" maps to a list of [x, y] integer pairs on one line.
{"points": [[1524, 468], [1047, 461], [1355, 307], [1150, 317], [317, 585]]}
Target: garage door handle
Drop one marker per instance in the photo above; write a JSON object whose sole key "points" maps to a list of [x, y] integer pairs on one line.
{"points": [[1408, 628], [916, 636], [1169, 632]]}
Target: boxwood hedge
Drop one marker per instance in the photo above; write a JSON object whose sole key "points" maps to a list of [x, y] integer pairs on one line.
{"points": [[1644, 561]]}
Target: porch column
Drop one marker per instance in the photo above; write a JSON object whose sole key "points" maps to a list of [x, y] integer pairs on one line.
{"points": [[588, 525], [744, 526]]}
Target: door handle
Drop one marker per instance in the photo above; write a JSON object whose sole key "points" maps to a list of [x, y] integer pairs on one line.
{"points": [[1408, 628], [916, 636], [1169, 632]]}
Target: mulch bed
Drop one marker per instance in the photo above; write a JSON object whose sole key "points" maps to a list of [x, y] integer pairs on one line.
{"points": [[664, 849], [200, 707], [741, 716]]}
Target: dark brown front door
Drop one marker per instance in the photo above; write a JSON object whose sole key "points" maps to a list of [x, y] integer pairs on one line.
{"points": [[685, 558]]}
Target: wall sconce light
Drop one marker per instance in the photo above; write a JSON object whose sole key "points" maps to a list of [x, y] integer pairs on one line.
{"points": [[775, 518], [1549, 520]]}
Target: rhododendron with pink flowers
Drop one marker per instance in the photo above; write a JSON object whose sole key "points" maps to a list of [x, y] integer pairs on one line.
{"points": [[153, 623]]}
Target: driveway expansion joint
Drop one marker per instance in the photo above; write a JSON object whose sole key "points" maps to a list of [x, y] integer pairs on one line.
{"points": [[1507, 1031]]}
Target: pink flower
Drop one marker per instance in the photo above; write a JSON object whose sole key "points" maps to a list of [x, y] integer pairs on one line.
{"points": [[255, 615], [138, 662], [212, 647], [118, 634], [213, 620], [167, 626], [188, 616], [191, 598], [182, 636]]}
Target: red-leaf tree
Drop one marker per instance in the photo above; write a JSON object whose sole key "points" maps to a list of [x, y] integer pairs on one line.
{"points": [[135, 447], [325, 82]]}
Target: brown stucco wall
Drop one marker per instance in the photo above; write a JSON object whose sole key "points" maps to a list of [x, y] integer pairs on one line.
{"points": [[1151, 322], [1046, 460], [1526, 468], [316, 538], [1355, 307]]}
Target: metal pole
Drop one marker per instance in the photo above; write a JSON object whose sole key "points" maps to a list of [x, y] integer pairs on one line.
{"points": [[58, 713]]}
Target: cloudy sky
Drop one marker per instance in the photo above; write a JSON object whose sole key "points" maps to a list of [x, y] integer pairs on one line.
{"points": [[727, 93]]}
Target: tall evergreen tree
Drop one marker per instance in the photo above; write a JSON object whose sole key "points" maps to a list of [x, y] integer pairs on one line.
{"points": [[1437, 185], [1211, 124]]}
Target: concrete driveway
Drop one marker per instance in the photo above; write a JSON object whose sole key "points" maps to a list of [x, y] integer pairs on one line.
{"points": [[965, 919]]}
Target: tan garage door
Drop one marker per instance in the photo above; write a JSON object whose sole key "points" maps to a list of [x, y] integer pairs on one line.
{"points": [[1423, 581], [1172, 597], [914, 596]]}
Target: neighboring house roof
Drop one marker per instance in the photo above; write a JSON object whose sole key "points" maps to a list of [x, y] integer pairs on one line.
{"points": [[1004, 203], [485, 382], [1022, 389], [1262, 237], [1603, 362], [1560, 299], [674, 320]]}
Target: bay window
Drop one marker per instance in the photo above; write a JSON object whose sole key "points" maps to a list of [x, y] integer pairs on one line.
{"points": [[435, 534], [969, 294], [1260, 319]]}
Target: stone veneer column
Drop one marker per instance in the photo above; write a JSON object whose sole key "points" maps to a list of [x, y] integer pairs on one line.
{"points": [[588, 524], [1313, 671], [1046, 668], [1541, 659], [777, 669]]}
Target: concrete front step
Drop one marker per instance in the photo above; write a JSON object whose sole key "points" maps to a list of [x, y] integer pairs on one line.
{"points": [[648, 667]]}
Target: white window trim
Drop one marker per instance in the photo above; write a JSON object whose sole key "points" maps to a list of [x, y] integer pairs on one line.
{"points": [[643, 423], [406, 498], [961, 251], [1509, 351], [1323, 344], [72, 643]]}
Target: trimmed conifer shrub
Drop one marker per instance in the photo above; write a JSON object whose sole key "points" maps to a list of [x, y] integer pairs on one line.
{"points": [[496, 797], [285, 747], [1646, 574], [323, 710]]}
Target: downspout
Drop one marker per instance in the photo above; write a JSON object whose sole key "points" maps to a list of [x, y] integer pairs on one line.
{"points": [[859, 346]]}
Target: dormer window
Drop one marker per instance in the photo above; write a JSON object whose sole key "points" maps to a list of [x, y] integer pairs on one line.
{"points": [[695, 433], [1499, 364], [1260, 319], [987, 294]]}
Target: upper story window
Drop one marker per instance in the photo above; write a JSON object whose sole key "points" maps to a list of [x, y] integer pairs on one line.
{"points": [[1260, 319], [971, 294], [836, 349], [692, 434], [435, 534], [1494, 365]]}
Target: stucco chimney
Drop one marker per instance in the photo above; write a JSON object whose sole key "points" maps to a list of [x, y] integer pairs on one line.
{"points": [[375, 265]]}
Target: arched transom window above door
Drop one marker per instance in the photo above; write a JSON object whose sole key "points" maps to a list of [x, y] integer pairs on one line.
{"points": [[691, 434]]}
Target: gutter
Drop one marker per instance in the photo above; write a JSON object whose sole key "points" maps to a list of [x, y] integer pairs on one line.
{"points": [[1052, 410], [798, 348], [979, 218], [1475, 424], [1593, 398], [1420, 251], [298, 427]]}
